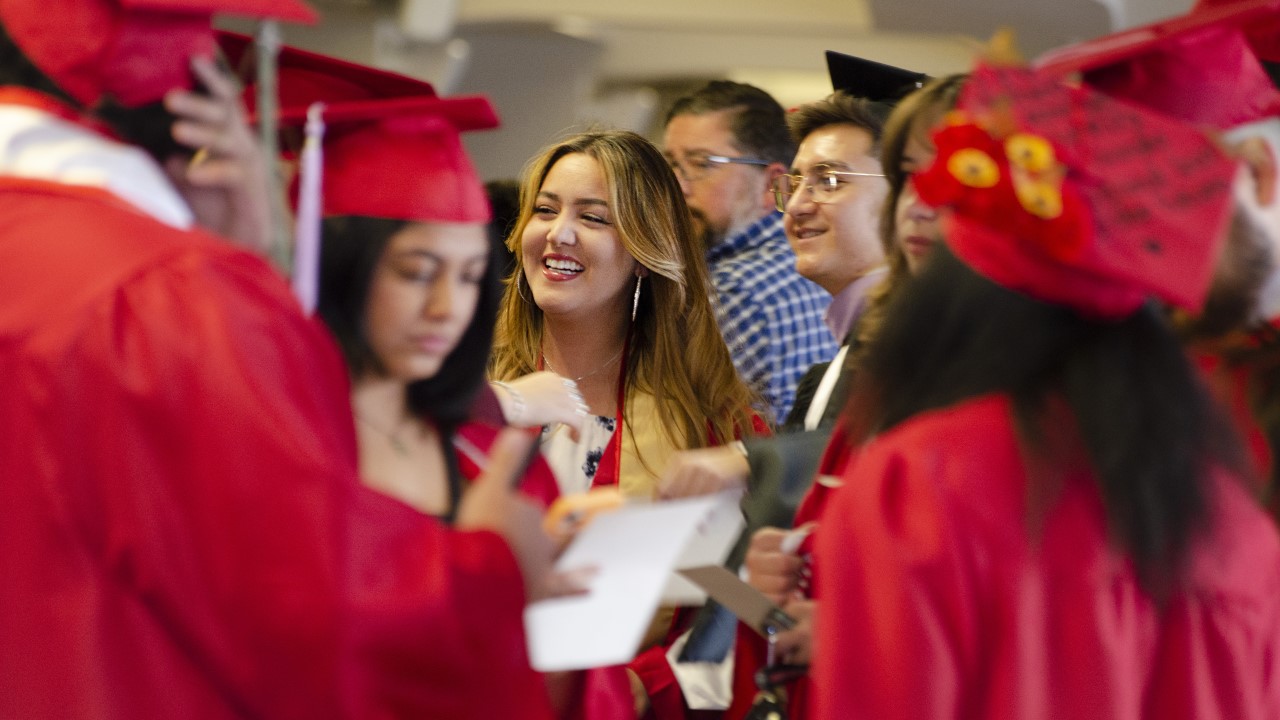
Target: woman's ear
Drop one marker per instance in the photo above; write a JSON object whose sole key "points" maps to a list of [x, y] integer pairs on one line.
{"points": [[641, 271]]}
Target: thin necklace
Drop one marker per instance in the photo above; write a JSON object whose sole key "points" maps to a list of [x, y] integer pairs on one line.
{"points": [[580, 378], [396, 443]]}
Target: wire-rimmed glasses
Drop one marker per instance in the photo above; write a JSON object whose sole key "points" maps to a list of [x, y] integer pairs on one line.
{"points": [[823, 183], [696, 165]]}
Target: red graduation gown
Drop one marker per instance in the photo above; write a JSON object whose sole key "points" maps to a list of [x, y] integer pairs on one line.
{"points": [[935, 601], [752, 651], [598, 693], [182, 527]]}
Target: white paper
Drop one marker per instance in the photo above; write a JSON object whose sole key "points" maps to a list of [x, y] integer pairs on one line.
{"points": [[634, 550], [709, 545]]}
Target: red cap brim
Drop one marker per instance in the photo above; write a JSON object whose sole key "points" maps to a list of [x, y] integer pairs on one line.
{"points": [[1198, 68], [305, 77], [288, 10]]}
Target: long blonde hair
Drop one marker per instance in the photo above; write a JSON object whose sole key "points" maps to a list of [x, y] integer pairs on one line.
{"points": [[677, 353]]}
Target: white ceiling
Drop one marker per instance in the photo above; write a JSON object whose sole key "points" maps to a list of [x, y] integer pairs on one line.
{"points": [[777, 44], [551, 66]]}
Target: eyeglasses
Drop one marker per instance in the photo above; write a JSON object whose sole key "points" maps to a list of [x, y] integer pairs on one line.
{"points": [[696, 166], [823, 183]]}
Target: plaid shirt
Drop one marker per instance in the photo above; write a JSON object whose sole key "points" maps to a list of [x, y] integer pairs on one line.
{"points": [[771, 317]]}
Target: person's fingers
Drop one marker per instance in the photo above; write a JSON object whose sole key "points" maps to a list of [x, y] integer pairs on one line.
{"points": [[773, 597], [569, 583], [673, 480], [199, 135], [197, 108], [1262, 165], [795, 646], [216, 173], [578, 406], [212, 123], [767, 539], [792, 646], [1258, 157], [533, 548], [507, 457], [699, 483], [690, 483], [777, 587], [218, 83], [801, 609], [773, 575], [575, 419], [487, 501], [775, 583], [776, 564], [220, 139]]}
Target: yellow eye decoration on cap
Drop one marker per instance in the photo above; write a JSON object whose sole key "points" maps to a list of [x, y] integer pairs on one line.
{"points": [[1030, 152], [974, 168], [1042, 199]]}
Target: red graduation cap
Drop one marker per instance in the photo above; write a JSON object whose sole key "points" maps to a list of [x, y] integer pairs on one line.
{"points": [[391, 148], [1068, 196], [1199, 67], [402, 158], [306, 77], [1263, 33], [132, 50]]}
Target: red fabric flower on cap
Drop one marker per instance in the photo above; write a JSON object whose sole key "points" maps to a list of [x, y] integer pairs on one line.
{"points": [[1068, 196], [1012, 183]]}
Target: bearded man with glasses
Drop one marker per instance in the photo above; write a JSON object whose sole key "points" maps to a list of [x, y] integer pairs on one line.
{"points": [[727, 143]]}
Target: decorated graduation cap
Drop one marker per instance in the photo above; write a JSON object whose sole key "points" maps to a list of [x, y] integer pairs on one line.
{"points": [[132, 50], [870, 79], [1201, 67], [1070, 197], [1263, 32]]}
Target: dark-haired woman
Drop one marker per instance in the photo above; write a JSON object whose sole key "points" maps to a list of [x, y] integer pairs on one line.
{"points": [[413, 303], [1047, 521], [413, 308]]}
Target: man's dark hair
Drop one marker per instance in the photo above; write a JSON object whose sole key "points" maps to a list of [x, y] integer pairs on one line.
{"points": [[759, 123], [840, 108]]}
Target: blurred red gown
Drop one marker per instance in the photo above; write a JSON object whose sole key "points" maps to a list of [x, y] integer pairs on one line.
{"points": [[598, 693], [936, 602], [182, 529]]}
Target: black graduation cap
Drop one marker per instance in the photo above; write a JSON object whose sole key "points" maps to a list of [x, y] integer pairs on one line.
{"points": [[870, 79]]}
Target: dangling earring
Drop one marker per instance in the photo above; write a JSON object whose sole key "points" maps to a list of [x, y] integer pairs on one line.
{"points": [[635, 299], [519, 287]]}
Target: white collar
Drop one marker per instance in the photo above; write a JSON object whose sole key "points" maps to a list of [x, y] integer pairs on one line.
{"points": [[37, 145]]}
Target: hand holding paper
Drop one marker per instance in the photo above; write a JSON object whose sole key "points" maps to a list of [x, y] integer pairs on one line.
{"points": [[635, 550]]}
